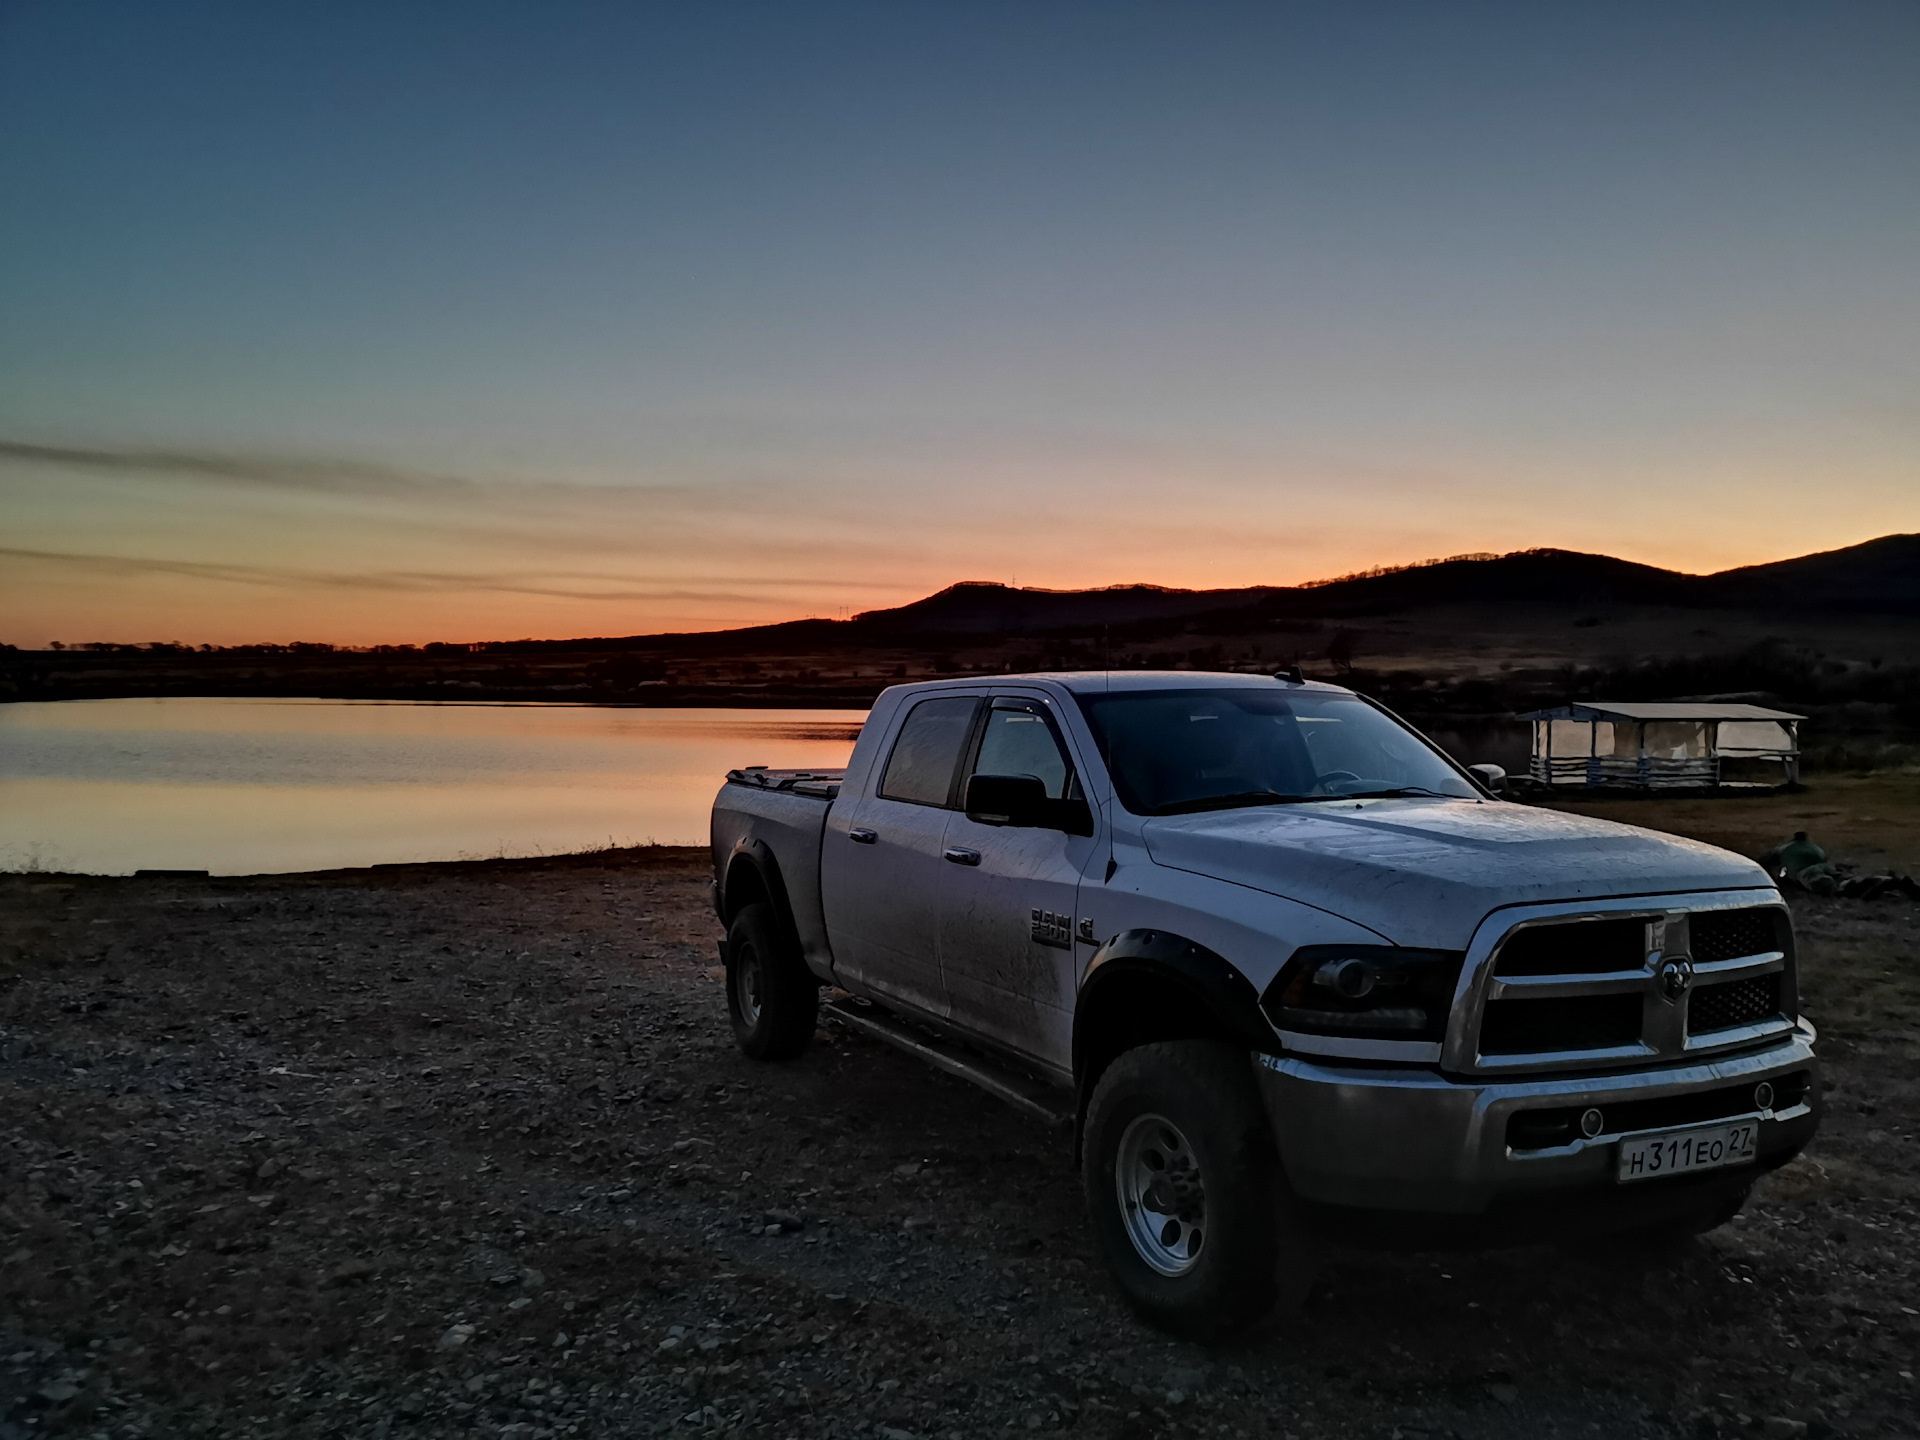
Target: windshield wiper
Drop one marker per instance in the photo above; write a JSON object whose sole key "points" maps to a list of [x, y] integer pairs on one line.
{"points": [[1395, 793], [1238, 801]]}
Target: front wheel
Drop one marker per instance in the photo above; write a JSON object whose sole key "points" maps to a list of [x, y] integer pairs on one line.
{"points": [[1183, 1188], [772, 997]]}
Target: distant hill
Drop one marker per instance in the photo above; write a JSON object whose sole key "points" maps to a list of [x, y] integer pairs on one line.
{"points": [[1880, 576], [982, 607]]}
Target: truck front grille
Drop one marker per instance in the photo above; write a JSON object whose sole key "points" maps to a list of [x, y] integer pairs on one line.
{"points": [[1735, 934], [1587, 947], [1733, 1004], [1584, 1022], [1611, 990]]}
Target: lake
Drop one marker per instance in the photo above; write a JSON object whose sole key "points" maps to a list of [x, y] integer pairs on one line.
{"points": [[239, 786]]}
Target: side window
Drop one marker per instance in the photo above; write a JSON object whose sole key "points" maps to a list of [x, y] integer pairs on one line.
{"points": [[927, 753], [1019, 741]]}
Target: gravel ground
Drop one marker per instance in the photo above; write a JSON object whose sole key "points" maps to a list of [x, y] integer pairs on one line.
{"points": [[466, 1149]]}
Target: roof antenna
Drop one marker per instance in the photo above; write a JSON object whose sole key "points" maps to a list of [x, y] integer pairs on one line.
{"points": [[1291, 674]]}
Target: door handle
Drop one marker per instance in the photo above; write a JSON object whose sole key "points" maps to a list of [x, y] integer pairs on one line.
{"points": [[960, 855], [860, 835]]}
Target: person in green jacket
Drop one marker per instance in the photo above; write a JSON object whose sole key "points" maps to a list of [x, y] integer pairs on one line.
{"points": [[1788, 859]]}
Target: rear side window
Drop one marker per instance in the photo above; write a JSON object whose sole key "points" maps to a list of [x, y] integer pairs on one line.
{"points": [[925, 757]]}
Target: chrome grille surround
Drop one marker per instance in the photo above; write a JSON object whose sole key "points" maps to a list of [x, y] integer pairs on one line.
{"points": [[1663, 1031]]}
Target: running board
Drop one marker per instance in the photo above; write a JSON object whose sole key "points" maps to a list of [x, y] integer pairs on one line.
{"points": [[1030, 1096]]}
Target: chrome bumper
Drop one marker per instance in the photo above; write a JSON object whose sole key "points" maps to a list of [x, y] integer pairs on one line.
{"points": [[1413, 1140]]}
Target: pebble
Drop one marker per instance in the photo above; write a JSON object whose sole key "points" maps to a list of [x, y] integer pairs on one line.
{"points": [[456, 1336], [348, 1271]]}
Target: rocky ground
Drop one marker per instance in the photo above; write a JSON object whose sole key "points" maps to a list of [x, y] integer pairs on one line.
{"points": [[465, 1149]]}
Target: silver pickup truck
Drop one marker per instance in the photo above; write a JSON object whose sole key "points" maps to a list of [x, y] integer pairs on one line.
{"points": [[1287, 968]]}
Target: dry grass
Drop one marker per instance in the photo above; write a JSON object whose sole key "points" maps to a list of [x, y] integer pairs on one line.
{"points": [[1872, 821]]}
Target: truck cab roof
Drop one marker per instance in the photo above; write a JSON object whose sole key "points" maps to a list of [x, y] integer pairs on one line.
{"points": [[1102, 682]]}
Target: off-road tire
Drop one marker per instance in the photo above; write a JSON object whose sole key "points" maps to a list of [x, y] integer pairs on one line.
{"points": [[772, 997], [1204, 1090]]}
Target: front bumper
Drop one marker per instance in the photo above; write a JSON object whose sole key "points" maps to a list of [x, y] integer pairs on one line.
{"points": [[1414, 1141]]}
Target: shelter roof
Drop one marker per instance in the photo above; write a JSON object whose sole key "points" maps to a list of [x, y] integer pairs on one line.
{"points": [[1659, 710]]}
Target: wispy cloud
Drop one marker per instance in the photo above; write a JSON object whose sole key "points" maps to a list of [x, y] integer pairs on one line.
{"points": [[337, 476], [567, 587], [343, 475]]}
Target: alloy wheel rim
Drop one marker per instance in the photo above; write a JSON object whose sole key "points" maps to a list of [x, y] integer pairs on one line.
{"points": [[1163, 1202], [746, 985]]}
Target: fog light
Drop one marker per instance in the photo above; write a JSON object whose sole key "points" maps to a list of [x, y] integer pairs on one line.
{"points": [[1592, 1122], [1763, 1096]]}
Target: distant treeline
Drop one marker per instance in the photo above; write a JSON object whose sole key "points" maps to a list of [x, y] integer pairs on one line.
{"points": [[293, 647], [1861, 712]]}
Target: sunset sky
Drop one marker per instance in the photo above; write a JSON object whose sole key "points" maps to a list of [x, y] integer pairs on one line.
{"points": [[399, 322]]}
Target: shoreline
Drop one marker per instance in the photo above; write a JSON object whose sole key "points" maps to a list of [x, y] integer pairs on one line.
{"points": [[610, 857], [666, 697]]}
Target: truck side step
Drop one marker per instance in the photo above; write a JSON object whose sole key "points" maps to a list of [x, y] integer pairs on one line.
{"points": [[1035, 1098]]}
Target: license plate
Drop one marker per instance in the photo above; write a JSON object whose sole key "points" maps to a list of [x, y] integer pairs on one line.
{"points": [[1677, 1152]]}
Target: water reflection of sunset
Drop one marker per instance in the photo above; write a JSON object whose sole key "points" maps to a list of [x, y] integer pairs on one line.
{"points": [[246, 786]]}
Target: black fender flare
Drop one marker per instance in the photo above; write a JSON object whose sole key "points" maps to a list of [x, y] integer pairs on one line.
{"points": [[757, 856], [1222, 1001]]}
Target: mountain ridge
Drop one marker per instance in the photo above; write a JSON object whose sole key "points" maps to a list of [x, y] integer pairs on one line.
{"points": [[1878, 576]]}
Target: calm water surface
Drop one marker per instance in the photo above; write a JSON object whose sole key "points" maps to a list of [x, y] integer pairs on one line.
{"points": [[250, 786]]}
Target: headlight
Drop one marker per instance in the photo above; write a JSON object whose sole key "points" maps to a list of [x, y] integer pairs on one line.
{"points": [[1365, 991]]}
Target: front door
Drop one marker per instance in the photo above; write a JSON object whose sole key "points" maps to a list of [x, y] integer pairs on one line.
{"points": [[1007, 921], [881, 865]]}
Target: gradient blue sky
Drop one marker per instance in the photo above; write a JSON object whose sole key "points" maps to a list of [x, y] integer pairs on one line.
{"points": [[411, 321]]}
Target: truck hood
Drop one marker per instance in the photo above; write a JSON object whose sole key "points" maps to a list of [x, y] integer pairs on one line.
{"points": [[1426, 872]]}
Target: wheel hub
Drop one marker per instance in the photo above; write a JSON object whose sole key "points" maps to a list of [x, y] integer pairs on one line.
{"points": [[1162, 1200], [746, 985]]}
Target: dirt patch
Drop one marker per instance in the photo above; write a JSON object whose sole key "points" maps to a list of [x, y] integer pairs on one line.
{"points": [[466, 1149]]}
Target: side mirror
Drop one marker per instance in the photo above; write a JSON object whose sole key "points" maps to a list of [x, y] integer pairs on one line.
{"points": [[1018, 800], [1491, 776]]}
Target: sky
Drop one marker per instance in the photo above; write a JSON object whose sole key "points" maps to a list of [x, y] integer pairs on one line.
{"points": [[399, 322]]}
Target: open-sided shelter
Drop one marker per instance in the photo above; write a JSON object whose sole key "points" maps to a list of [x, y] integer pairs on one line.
{"points": [[1659, 744]]}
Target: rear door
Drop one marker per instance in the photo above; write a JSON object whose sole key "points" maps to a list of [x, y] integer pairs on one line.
{"points": [[1008, 920], [881, 861]]}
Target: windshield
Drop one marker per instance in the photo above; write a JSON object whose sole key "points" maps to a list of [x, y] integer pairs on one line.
{"points": [[1171, 752]]}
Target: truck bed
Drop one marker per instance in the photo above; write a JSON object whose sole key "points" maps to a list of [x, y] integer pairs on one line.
{"points": [[820, 784], [784, 812]]}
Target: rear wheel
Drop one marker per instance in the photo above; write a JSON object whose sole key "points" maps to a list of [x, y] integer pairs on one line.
{"points": [[772, 997], [1184, 1191]]}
